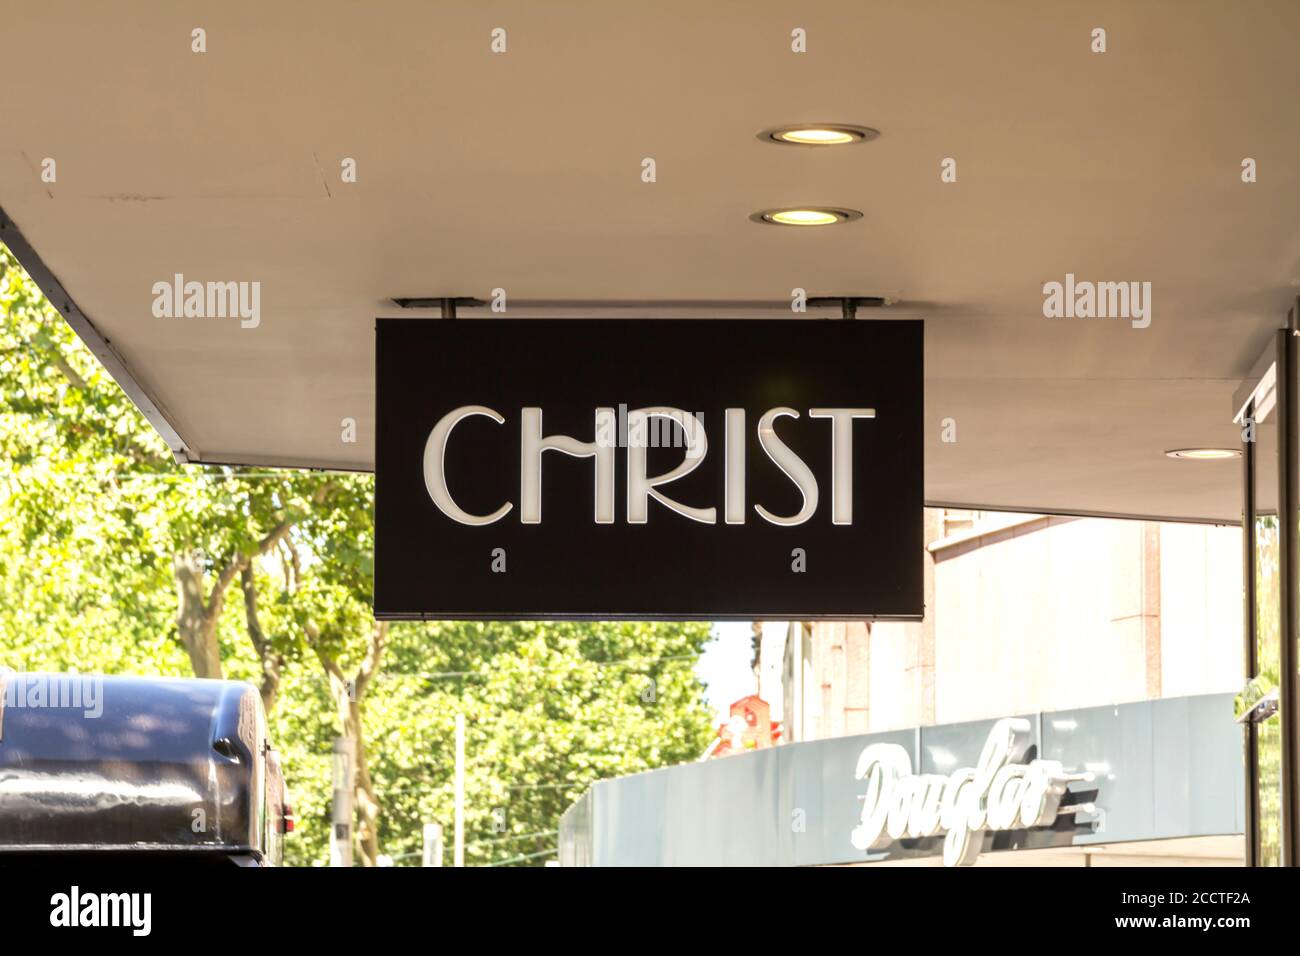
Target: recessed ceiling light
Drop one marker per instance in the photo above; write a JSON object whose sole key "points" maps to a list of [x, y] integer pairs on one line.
{"points": [[819, 134], [1204, 454], [806, 216]]}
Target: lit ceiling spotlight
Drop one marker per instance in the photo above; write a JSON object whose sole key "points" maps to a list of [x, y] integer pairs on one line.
{"points": [[819, 134], [1204, 454], [806, 216]]}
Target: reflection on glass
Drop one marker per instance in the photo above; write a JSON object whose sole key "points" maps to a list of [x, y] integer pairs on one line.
{"points": [[1268, 651], [1268, 610]]}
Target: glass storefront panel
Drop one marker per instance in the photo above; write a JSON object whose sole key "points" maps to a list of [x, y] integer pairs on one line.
{"points": [[1259, 704], [1264, 680]]}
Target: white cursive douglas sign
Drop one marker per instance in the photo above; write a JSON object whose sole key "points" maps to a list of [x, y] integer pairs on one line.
{"points": [[997, 794]]}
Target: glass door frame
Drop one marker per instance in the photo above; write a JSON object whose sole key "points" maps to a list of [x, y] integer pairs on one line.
{"points": [[1274, 387]]}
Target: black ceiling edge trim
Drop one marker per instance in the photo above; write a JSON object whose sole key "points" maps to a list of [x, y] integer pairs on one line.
{"points": [[93, 339]]}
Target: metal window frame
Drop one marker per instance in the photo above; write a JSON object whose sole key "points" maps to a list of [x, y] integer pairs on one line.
{"points": [[1275, 379], [1250, 733], [1288, 506]]}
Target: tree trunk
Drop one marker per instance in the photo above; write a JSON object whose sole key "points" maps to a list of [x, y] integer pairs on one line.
{"points": [[195, 621], [367, 803], [272, 661], [349, 699], [197, 615]]}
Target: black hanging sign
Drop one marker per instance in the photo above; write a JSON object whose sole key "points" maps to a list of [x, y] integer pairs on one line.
{"points": [[648, 469]]}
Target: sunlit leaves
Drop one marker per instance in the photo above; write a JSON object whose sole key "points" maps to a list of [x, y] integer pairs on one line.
{"points": [[92, 510]]}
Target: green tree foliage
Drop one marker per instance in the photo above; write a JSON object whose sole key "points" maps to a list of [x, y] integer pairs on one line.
{"points": [[114, 559], [549, 709]]}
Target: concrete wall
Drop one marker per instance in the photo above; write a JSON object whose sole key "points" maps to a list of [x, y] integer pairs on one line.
{"points": [[1201, 609], [1028, 613]]}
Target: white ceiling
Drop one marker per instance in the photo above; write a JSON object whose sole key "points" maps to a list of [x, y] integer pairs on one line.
{"points": [[522, 171]]}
